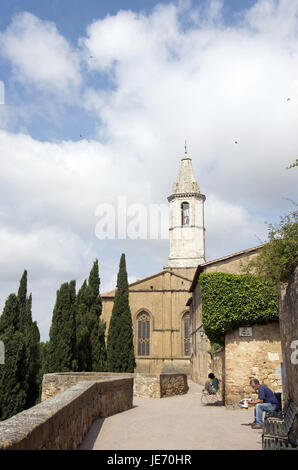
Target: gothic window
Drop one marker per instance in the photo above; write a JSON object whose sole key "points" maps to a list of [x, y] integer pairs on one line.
{"points": [[143, 322], [186, 334], [185, 213]]}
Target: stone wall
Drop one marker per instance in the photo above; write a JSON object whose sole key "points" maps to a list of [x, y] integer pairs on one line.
{"points": [[59, 382], [145, 385], [257, 356], [288, 318], [160, 385], [173, 384], [61, 422]]}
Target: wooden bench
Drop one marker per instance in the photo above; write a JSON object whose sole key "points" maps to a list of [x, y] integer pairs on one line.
{"points": [[277, 428]]}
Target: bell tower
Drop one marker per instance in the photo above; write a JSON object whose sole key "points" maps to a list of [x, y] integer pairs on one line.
{"points": [[187, 232]]}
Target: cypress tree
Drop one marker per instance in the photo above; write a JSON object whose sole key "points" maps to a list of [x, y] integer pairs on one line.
{"points": [[19, 376], [120, 348], [83, 348], [32, 341], [90, 333], [25, 317], [44, 354], [13, 388], [61, 345], [97, 336], [10, 315]]}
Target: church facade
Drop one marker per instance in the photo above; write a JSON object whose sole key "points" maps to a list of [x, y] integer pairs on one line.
{"points": [[160, 316]]}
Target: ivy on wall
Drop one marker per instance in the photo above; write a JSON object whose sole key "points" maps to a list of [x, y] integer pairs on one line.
{"points": [[233, 300]]}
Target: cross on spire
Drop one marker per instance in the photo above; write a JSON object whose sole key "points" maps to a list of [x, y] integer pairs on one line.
{"points": [[185, 148]]}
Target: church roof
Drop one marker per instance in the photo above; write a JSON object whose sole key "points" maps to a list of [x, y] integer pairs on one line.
{"points": [[111, 294]]}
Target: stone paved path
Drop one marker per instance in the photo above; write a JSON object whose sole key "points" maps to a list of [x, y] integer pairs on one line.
{"points": [[175, 423]]}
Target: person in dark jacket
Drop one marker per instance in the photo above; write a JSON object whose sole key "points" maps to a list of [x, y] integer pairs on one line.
{"points": [[266, 401], [212, 385]]}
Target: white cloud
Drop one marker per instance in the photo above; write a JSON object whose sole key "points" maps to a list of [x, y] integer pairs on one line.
{"points": [[51, 256], [40, 55], [211, 84], [60, 183], [50, 251], [274, 19], [230, 228], [178, 72]]}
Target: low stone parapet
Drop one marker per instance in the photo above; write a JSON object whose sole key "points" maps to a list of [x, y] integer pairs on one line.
{"points": [[60, 381], [61, 422], [173, 384], [145, 385], [160, 385]]}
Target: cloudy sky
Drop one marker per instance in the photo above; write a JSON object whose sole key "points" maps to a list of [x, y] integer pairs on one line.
{"points": [[99, 99]]}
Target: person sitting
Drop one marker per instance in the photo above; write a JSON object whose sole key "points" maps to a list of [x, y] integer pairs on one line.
{"points": [[266, 401], [212, 385]]}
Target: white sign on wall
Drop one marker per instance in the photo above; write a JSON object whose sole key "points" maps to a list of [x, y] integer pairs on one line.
{"points": [[245, 331]]}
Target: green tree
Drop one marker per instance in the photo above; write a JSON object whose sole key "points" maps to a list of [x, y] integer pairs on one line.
{"points": [[25, 318], [19, 376], [120, 348], [13, 388], [279, 257], [90, 328], [44, 368], [13, 394], [34, 365], [83, 347], [32, 341], [10, 315], [61, 347]]}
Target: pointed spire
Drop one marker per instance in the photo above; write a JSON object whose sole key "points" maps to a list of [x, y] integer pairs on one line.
{"points": [[186, 181]]}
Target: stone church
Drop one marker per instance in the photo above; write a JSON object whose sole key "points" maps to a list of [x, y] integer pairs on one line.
{"points": [[161, 319]]}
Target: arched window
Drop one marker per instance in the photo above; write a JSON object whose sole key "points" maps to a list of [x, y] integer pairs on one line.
{"points": [[143, 322], [185, 213], [186, 334]]}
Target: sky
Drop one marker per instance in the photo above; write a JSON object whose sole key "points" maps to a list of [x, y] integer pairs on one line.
{"points": [[98, 100]]}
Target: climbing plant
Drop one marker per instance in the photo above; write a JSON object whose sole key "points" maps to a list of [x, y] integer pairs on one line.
{"points": [[233, 300]]}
